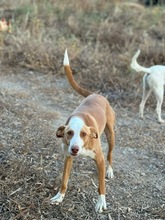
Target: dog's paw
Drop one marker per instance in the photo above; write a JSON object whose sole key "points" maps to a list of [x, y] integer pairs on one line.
{"points": [[58, 198], [101, 204], [109, 173], [161, 121], [141, 116]]}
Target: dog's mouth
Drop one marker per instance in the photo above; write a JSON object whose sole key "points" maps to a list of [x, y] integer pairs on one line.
{"points": [[74, 154]]}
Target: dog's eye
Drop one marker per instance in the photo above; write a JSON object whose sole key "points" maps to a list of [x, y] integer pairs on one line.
{"points": [[83, 134], [70, 133]]}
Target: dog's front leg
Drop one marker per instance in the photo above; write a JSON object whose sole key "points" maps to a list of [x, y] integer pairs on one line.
{"points": [[67, 168], [101, 203]]}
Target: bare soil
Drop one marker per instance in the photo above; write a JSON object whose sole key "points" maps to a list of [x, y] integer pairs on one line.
{"points": [[32, 106]]}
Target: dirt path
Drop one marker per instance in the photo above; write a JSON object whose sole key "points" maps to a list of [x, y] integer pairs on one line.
{"points": [[32, 106]]}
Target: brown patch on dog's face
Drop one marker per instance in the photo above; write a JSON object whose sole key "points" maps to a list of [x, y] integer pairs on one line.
{"points": [[88, 133], [68, 134]]}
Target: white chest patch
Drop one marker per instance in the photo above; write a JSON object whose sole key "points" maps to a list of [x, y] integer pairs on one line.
{"points": [[88, 153]]}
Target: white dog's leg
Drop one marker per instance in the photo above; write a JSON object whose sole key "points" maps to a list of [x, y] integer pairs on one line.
{"points": [[143, 102], [145, 95], [159, 92], [58, 198], [158, 109], [101, 204]]}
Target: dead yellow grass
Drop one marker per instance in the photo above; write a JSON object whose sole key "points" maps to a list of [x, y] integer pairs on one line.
{"points": [[101, 38]]}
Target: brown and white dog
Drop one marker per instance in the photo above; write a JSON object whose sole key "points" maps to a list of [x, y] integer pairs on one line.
{"points": [[81, 136]]}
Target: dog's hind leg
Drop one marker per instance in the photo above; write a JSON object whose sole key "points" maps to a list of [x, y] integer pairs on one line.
{"points": [[145, 95], [159, 92]]}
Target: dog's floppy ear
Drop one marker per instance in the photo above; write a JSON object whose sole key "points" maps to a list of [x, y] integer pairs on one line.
{"points": [[60, 131], [94, 133]]}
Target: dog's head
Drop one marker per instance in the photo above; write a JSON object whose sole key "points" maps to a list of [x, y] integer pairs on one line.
{"points": [[76, 135]]}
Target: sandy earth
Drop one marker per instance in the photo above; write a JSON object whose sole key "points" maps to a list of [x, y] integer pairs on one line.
{"points": [[32, 106]]}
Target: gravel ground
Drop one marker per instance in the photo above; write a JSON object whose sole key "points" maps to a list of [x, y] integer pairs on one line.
{"points": [[32, 106]]}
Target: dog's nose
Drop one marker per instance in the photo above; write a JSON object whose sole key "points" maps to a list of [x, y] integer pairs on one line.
{"points": [[74, 149]]}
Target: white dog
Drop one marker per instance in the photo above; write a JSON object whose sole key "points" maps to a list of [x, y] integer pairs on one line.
{"points": [[154, 81]]}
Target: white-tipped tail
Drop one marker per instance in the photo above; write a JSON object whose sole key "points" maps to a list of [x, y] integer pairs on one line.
{"points": [[66, 59], [136, 66], [137, 54], [134, 60]]}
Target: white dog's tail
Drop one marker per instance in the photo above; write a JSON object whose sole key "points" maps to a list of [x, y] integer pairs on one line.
{"points": [[71, 80], [136, 66]]}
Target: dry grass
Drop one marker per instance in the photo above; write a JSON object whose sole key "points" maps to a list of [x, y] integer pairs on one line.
{"points": [[107, 33]]}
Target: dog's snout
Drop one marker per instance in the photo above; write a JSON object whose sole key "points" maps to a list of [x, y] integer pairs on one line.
{"points": [[74, 149]]}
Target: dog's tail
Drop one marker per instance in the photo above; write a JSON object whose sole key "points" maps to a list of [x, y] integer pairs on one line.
{"points": [[70, 77], [136, 66]]}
